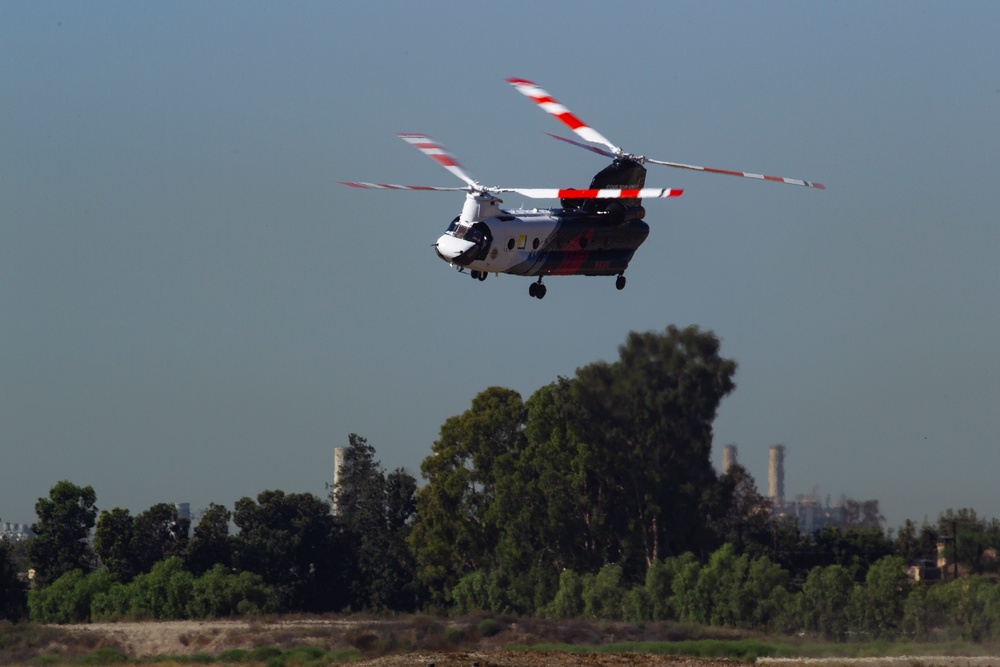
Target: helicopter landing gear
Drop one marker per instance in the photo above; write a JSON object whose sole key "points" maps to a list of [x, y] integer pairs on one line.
{"points": [[537, 290], [620, 283], [479, 275]]}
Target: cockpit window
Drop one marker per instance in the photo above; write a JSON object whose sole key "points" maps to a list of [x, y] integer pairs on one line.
{"points": [[461, 230]]}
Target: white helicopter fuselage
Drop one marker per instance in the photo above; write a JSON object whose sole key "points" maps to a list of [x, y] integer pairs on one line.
{"points": [[538, 242]]}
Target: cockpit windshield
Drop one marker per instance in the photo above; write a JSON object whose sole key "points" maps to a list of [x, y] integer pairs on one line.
{"points": [[476, 233]]}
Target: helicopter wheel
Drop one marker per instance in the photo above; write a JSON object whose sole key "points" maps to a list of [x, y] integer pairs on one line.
{"points": [[537, 290], [482, 276], [620, 283]]}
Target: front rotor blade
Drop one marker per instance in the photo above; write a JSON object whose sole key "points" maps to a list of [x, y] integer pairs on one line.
{"points": [[390, 186], [626, 193], [549, 104], [744, 174], [439, 154]]}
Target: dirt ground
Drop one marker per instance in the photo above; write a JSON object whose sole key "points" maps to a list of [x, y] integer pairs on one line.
{"points": [[420, 643]]}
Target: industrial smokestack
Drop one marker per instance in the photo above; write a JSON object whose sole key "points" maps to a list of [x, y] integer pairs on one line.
{"points": [[728, 458], [338, 466], [776, 475]]}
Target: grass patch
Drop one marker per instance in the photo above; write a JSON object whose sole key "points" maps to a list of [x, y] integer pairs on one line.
{"points": [[103, 656], [746, 650], [237, 655]]}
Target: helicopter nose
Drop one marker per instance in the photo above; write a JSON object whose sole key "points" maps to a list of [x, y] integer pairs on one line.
{"points": [[450, 248]]}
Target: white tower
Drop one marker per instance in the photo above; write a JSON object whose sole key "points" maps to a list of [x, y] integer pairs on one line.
{"points": [[776, 475], [728, 458], [338, 466]]}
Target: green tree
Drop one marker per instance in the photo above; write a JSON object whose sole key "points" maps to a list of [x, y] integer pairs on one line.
{"points": [[824, 602], [64, 522], [211, 544], [568, 601], [398, 587], [113, 544], [687, 603], [454, 534], [972, 538], [158, 533], [970, 608], [748, 513], [878, 604], [766, 589], [288, 539], [854, 548], [915, 543], [645, 423], [721, 588], [604, 593], [660, 584], [13, 592], [375, 510], [546, 521]]}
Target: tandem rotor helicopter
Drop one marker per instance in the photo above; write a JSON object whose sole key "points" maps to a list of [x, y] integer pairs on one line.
{"points": [[595, 232]]}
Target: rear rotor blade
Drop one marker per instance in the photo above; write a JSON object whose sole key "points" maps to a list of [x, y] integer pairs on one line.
{"points": [[594, 149], [439, 154], [552, 106], [744, 174]]}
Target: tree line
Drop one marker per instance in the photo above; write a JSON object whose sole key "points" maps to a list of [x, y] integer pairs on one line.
{"points": [[596, 497]]}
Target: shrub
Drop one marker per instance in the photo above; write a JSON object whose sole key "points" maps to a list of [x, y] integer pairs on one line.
{"points": [[454, 635], [488, 627], [68, 598]]}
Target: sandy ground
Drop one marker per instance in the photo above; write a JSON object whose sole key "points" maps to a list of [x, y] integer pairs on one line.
{"points": [[141, 640]]}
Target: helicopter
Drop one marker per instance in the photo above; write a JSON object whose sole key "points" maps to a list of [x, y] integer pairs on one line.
{"points": [[595, 231]]}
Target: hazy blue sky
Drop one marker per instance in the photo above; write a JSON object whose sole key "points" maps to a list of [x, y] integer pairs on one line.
{"points": [[191, 310]]}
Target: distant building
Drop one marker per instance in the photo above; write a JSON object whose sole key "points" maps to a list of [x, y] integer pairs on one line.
{"points": [[924, 570], [15, 532], [811, 514], [809, 511]]}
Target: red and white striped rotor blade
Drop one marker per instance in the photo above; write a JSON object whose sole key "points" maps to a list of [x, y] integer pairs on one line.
{"points": [[744, 174], [390, 186], [624, 193], [549, 104], [439, 154]]}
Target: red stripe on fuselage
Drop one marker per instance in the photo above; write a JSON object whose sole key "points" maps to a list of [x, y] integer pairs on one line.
{"points": [[573, 260]]}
